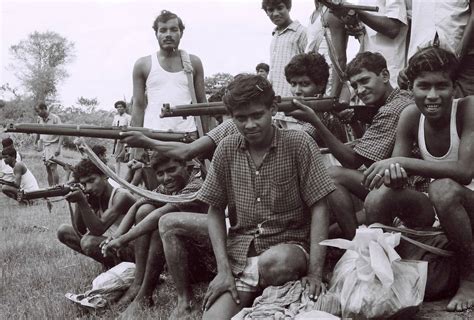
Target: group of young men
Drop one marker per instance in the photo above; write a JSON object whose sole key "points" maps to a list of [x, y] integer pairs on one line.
{"points": [[414, 162]]}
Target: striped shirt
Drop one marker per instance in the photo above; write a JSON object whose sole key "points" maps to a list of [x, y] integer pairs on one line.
{"points": [[270, 204]]}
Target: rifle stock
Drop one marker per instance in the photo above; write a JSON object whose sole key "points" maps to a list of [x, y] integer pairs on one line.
{"points": [[94, 131], [362, 113]]}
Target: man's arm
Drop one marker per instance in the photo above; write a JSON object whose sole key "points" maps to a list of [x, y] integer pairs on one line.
{"points": [[18, 171], [198, 71], [319, 232], [467, 37], [344, 154], [139, 84], [224, 281], [389, 27]]}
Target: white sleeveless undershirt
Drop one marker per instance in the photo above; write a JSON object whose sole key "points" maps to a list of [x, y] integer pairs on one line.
{"points": [[28, 182], [453, 152], [166, 87]]}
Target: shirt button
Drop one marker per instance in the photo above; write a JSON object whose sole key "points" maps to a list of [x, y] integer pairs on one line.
{"points": [[258, 199], [257, 172]]}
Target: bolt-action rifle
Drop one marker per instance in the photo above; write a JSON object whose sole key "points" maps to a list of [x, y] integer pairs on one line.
{"points": [[94, 131], [361, 112], [348, 6], [56, 191], [7, 183]]}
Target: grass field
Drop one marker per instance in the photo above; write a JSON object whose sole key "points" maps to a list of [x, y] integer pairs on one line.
{"points": [[37, 270]]}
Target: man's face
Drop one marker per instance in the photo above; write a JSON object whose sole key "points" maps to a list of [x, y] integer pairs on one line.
{"points": [[168, 34], [173, 175], [433, 93], [370, 87], [279, 15], [255, 123], [303, 86], [94, 184], [9, 160], [43, 113], [120, 109], [263, 73]]}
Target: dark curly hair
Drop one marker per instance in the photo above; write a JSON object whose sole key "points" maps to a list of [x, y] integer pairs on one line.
{"points": [[166, 15], [266, 3], [264, 66], [371, 61], [85, 168], [248, 88], [432, 59], [312, 65]]}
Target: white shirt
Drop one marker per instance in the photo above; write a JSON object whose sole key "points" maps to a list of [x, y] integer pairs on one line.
{"points": [[122, 120], [393, 50], [447, 18], [6, 172], [166, 87]]}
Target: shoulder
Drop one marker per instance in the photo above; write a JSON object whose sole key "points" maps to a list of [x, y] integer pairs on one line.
{"points": [[142, 64], [399, 101], [195, 60], [231, 141], [466, 109], [123, 195], [294, 140]]}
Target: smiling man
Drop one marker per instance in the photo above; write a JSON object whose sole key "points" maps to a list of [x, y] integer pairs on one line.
{"points": [[275, 186], [98, 212], [175, 178], [443, 128], [370, 79]]}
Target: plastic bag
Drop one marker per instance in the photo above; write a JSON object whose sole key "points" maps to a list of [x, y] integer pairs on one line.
{"points": [[107, 287], [371, 280]]}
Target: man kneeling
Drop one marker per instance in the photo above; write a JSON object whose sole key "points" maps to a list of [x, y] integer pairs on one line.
{"points": [[275, 185], [99, 210]]}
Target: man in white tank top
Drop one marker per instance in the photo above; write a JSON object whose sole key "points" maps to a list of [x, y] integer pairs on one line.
{"points": [[98, 212], [162, 75], [23, 178], [443, 128]]}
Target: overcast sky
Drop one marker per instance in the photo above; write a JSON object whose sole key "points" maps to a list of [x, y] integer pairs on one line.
{"points": [[110, 35]]}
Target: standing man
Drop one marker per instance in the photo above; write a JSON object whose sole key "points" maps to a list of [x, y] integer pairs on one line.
{"points": [[288, 40], [121, 119], [51, 144], [165, 76]]}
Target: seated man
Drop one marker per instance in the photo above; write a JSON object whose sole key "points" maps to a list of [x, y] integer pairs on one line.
{"points": [[175, 179], [275, 186], [23, 178], [370, 78], [6, 172], [98, 212], [443, 128]]}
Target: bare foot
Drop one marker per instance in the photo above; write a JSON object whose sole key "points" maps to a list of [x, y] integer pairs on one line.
{"points": [[464, 297], [128, 296], [131, 313]]}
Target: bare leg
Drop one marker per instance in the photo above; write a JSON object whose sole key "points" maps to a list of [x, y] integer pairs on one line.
{"points": [[90, 247], [69, 237], [174, 229], [414, 208], [225, 307], [10, 191], [54, 174], [455, 207], [142, 246], [347, 182], [50, 175]]}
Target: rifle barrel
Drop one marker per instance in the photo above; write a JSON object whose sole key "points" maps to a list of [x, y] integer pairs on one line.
{"points": [[94, 131], [360, 7], [218, 108], [51, 192]]}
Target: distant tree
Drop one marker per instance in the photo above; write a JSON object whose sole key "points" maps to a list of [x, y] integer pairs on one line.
{"points": [[88, 104], [40, 63], [215, 82]]}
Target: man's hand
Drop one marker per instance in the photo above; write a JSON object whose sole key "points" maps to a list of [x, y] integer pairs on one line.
{"points": [[312, 282], [135, 164], [111, 246], [224, 281], [57, 152], [302, 112], [346, 116], [77, 195], [135, 139], [389, 172], [402, 80]]}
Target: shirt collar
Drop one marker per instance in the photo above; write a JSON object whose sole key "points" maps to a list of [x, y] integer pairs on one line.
{"points": [[292, 26], [392, 95], [243, 145]]}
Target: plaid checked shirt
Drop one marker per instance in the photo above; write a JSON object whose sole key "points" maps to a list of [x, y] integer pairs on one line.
{"points": [[270, 204], [285, 45], [379, 139]]}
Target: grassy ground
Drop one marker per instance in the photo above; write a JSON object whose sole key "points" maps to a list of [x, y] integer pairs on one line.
{"points": [[36, 270]]}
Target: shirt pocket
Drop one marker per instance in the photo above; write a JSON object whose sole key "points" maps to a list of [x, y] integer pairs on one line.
{"points": [[285, 195]]}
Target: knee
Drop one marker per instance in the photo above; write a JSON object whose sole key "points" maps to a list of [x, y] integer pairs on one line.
{"points": [[167, 225], [143, 211], [63, 232], [88, 246], [443, 193], [336, 173], [376, 203], [280, 264]]}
